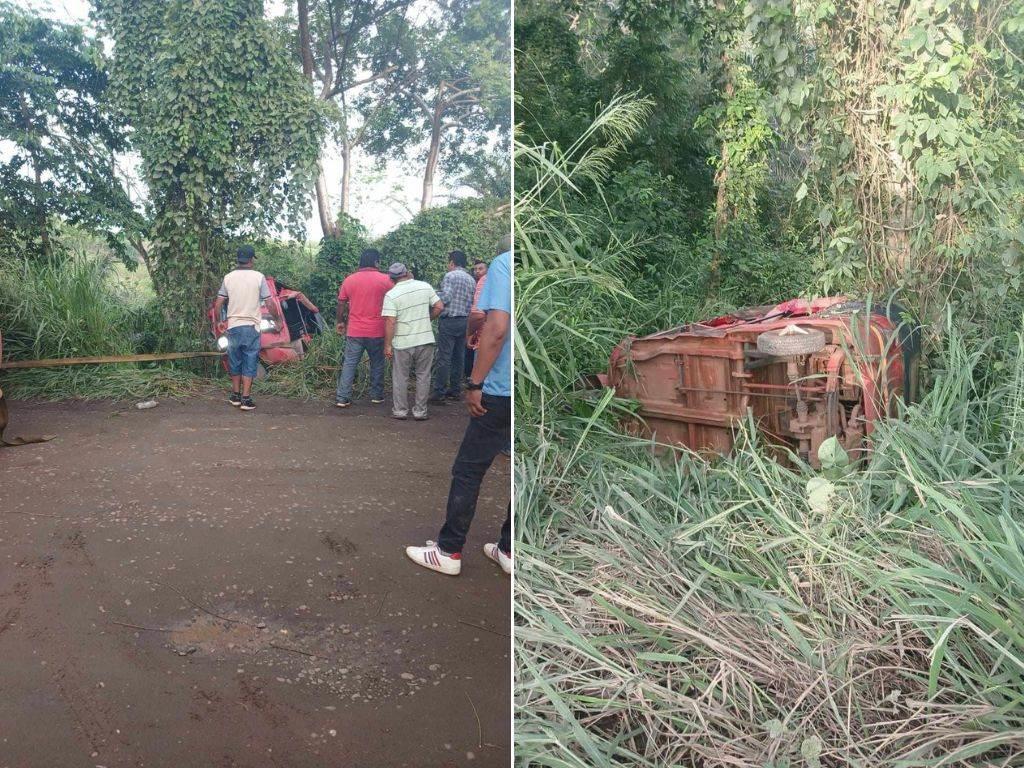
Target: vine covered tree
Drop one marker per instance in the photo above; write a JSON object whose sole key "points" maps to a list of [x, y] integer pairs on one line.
{"points": [[227, 131], [911, 124]]}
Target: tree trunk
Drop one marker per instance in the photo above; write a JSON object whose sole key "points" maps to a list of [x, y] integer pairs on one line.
{"points": [[721, 194], [140, 248], [722, 177], [432, 158], [346, 157], [44, 233], [304, 43], [323, 203], [346, 173]]}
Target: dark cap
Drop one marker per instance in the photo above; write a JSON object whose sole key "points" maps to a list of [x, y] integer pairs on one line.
{"points": [[246, 254]]}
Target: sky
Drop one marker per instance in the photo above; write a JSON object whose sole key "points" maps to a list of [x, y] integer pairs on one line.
{"points": [[381, 200]]}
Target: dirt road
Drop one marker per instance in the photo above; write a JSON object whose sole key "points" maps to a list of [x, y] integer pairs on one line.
{"points": [[195, 586]]}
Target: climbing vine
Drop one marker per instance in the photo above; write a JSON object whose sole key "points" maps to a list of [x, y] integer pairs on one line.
{"points": [[227, 131], [912, 146]]}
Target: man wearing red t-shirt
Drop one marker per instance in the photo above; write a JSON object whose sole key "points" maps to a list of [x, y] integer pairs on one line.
{"points": [[360, 299]]}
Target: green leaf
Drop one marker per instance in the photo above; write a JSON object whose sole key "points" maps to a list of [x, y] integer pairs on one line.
{"points": [[669, 657], [917, 39], [820, 495], [831, 454], [810, 750]]}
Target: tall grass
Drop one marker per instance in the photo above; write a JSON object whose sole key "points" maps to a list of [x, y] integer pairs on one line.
{"points": [[573, 298], [79, 305], [679, 612], [672, 611], [125, 381], [314, 377], [63, 307]]}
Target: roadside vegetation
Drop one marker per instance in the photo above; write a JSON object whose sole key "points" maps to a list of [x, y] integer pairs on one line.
{"points": [[676, 610], [82, 300], [137, 156]]}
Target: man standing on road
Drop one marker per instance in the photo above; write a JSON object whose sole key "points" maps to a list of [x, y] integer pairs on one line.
{"points": [[359, 320], [457, 294], [489, 397], [244, 290], [408, 339]]}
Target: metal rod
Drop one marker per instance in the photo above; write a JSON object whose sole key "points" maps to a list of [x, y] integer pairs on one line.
{"points": [[103, 360]]}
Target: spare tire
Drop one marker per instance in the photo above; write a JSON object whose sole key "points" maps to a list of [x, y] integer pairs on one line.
{"points": [[804, 341]]}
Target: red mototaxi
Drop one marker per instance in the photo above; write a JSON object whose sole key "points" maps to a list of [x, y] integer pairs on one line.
{"points": [[277, 345], [696, 383]]}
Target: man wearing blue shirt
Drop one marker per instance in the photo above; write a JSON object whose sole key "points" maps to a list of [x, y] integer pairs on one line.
{"points": [[489, 397]]}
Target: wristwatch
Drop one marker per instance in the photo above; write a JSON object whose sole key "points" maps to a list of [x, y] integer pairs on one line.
{"points": [[473, 387]]}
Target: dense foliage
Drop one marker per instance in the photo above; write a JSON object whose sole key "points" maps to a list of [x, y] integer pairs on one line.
{"points": [[834, 147], [337, 258], [475, 226], [226, 129], [62, 139], [910, 125], [675, 159]]}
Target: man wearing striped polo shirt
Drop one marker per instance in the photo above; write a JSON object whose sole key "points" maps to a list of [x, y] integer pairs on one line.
{"points": [[409, 339], [456, 291]]}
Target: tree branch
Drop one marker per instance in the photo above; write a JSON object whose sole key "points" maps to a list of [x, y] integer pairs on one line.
{"points": [[304, 46], [366, 80]]}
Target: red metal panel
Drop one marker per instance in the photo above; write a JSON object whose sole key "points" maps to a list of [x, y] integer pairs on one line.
{"points": [[696, 382]]}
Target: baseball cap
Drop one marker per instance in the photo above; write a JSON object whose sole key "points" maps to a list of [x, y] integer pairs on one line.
{"points": [[246, 254], [397, 270]]}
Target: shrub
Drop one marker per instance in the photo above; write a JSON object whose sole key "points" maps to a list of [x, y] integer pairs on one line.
{"points": [[289, 262], [754, 267], [337, 258], [475, 226]]}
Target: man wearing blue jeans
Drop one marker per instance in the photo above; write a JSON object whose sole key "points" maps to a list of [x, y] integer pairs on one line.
{"points": [[359, 320], [244, 291], [456, 291], [489, 397]]}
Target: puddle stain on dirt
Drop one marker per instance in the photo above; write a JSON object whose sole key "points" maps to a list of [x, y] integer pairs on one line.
{"points": [[356, 664]]}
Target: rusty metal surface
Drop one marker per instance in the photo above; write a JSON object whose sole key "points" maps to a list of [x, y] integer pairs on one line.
{"points": [[695, 383]]}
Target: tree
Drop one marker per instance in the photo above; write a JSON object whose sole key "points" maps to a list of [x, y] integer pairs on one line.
{"points": [[345, 46], [53, 111], [910, 116], [555, 94], [454, 99], [226, 129]]}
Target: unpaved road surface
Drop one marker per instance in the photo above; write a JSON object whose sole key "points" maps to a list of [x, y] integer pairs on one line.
{"points": [[260, 558]]}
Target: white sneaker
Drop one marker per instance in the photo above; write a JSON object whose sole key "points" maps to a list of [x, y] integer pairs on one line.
{"points": [[494, 552], [433, 558]]}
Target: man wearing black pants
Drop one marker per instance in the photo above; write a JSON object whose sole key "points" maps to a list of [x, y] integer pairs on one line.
{"points": [[456, 291], [489, 397]]}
